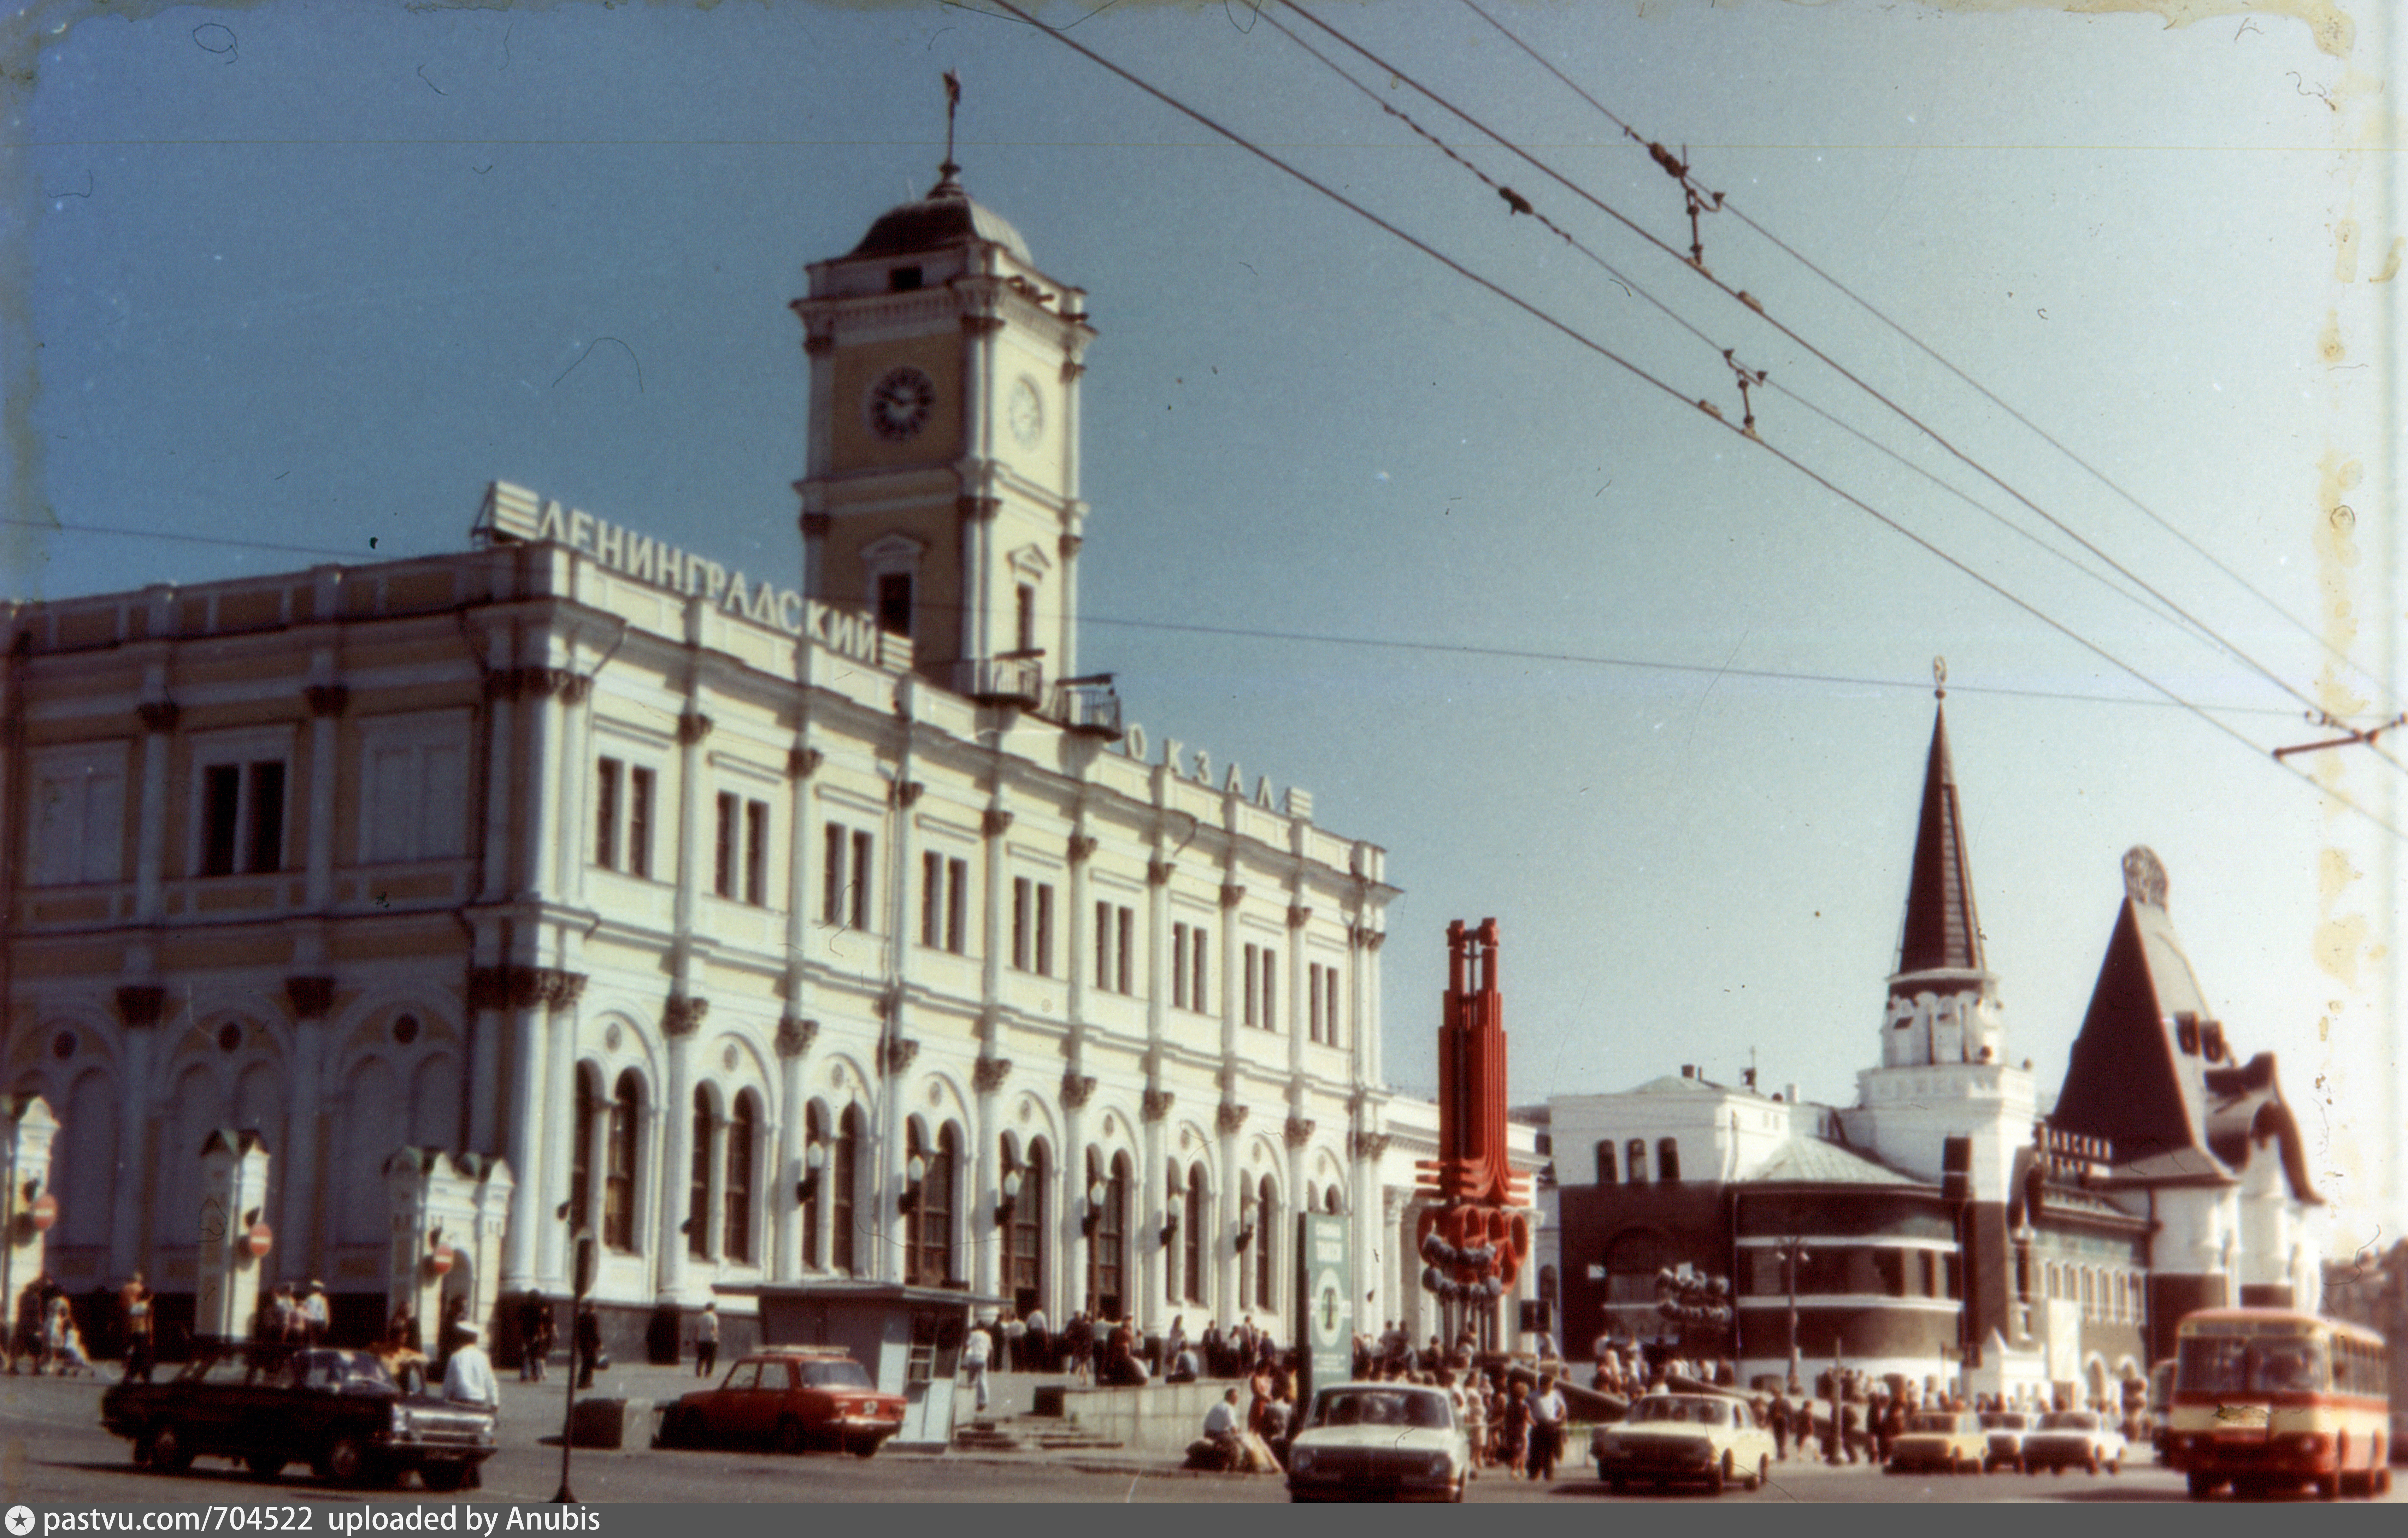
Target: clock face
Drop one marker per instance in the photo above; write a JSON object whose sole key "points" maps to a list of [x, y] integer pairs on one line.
{"points": [[899, 403], [1028, 412]]}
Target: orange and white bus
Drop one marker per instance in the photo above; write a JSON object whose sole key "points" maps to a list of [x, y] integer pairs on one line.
{"points": [[2265, 1397]]}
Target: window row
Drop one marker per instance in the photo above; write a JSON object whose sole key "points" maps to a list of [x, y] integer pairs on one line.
{"points": [[411, 778], [1860, 1270], [1634, 1161], [2105, 1292]]}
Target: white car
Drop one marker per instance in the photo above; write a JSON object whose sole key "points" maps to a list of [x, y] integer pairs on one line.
{"points": [[2074, 1439], [1710, 1438], [1379, 1442], [2005, 1431]]}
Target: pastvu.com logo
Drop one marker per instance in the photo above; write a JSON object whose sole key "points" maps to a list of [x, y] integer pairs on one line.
{"points": [[20, 1520]]}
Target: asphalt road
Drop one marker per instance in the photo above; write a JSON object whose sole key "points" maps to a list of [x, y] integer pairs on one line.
{"points": [[53, 1453]]}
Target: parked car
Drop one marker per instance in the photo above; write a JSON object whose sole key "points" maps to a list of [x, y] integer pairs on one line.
{"points": [[2005, 1430], [1709, 1437], [788, 1398], [1379, 1442], [1943, 1441], [266, 1406], [2075, 1439]]}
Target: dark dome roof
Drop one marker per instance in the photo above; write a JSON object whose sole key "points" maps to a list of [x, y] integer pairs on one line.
{"points": [[946, 217]]}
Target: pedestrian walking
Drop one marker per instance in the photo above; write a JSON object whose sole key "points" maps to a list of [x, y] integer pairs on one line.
{"points": [[1548, 1413], [1777, 1422], [706, 1340], [317, 1315], [1040, 1343], [1513, 1447], [977, 1346], [133, 1304], [1015, 1343], [469, 1379]]}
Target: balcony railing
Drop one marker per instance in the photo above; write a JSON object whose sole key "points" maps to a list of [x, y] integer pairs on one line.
{"points": [[1086, 705], [1002, 680]]}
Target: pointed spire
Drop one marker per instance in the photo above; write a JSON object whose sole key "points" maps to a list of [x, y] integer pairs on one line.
{"points": [[1942, 931]]}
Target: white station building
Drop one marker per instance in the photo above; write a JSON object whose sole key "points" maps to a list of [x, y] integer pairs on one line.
{"points": [[775, 933]]}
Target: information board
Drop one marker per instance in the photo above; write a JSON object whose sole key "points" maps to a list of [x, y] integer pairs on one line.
{"points": [[1325, 1301]]}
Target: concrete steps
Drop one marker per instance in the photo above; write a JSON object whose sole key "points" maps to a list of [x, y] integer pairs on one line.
{"points": [[1029, 1433]]}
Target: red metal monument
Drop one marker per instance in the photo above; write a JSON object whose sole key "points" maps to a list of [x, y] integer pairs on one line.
{"points": [[1472, 1238]]}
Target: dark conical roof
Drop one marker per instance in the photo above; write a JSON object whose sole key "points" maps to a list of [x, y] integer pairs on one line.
{"points": [[1942, 931], [946, 217]]}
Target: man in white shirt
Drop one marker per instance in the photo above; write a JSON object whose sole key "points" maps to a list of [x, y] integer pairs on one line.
{"points": [[1221, 1426], [978, 1349], [469, 1379], [1548, 1412], [315, 1315]]}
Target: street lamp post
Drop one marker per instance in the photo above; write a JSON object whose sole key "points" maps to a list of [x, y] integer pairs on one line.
{"points": [[1793, 1250]]}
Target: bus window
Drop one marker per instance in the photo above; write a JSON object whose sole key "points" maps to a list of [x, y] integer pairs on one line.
{"points": [[2289, 1367], [2212, 1364]]}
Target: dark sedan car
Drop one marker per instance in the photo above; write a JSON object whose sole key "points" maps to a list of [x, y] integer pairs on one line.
{"points": [[789, 1398], [265, 1406]]}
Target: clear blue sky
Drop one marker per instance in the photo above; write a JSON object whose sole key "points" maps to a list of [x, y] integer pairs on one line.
{"points": [[312, 274]]}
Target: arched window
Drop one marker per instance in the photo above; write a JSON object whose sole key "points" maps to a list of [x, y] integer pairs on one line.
{"points": [[1606, 1174], [619, 1187], [1025, 1270], [1174, 1210], [1196, 1206], [815, 1132], [580, 1149], [1266, 1249], [916, 1151], [1107, 1252], [1634, 1155], [1332, 1201], [843, 1187], [1667, 1158], [698, 1198], [736, 1226], [934, 1213]]}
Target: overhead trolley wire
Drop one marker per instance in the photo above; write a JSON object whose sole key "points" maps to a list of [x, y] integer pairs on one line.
{"points": [[2230, 648], [1572, 334], [1640, 291], [2382, 685]]}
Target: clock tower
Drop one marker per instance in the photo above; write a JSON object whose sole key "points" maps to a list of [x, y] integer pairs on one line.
{"points": [[943, 485]]}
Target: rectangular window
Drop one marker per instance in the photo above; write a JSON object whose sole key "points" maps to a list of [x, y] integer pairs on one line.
{"points": [[415, 790], [1019, 916], [957, 905], [243, 808], [1179, 965], [1330, 1007], [932, 898], [1115, 938], [756, 853], [1196, 961], [1313, 1002], [895, 603], [639, 822], [606, 812], [844, 898], [79, 818], [832, 876], [859, 917], [1262, 1009], [723, 869], [1045, 929]]}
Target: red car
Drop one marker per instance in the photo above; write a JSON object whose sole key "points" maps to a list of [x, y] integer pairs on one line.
{"points": [[789, 1398]]}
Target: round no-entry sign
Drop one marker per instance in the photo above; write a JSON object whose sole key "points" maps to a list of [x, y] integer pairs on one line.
{"points": [[439, 1259], [44, 1210], [261, 1239]]}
